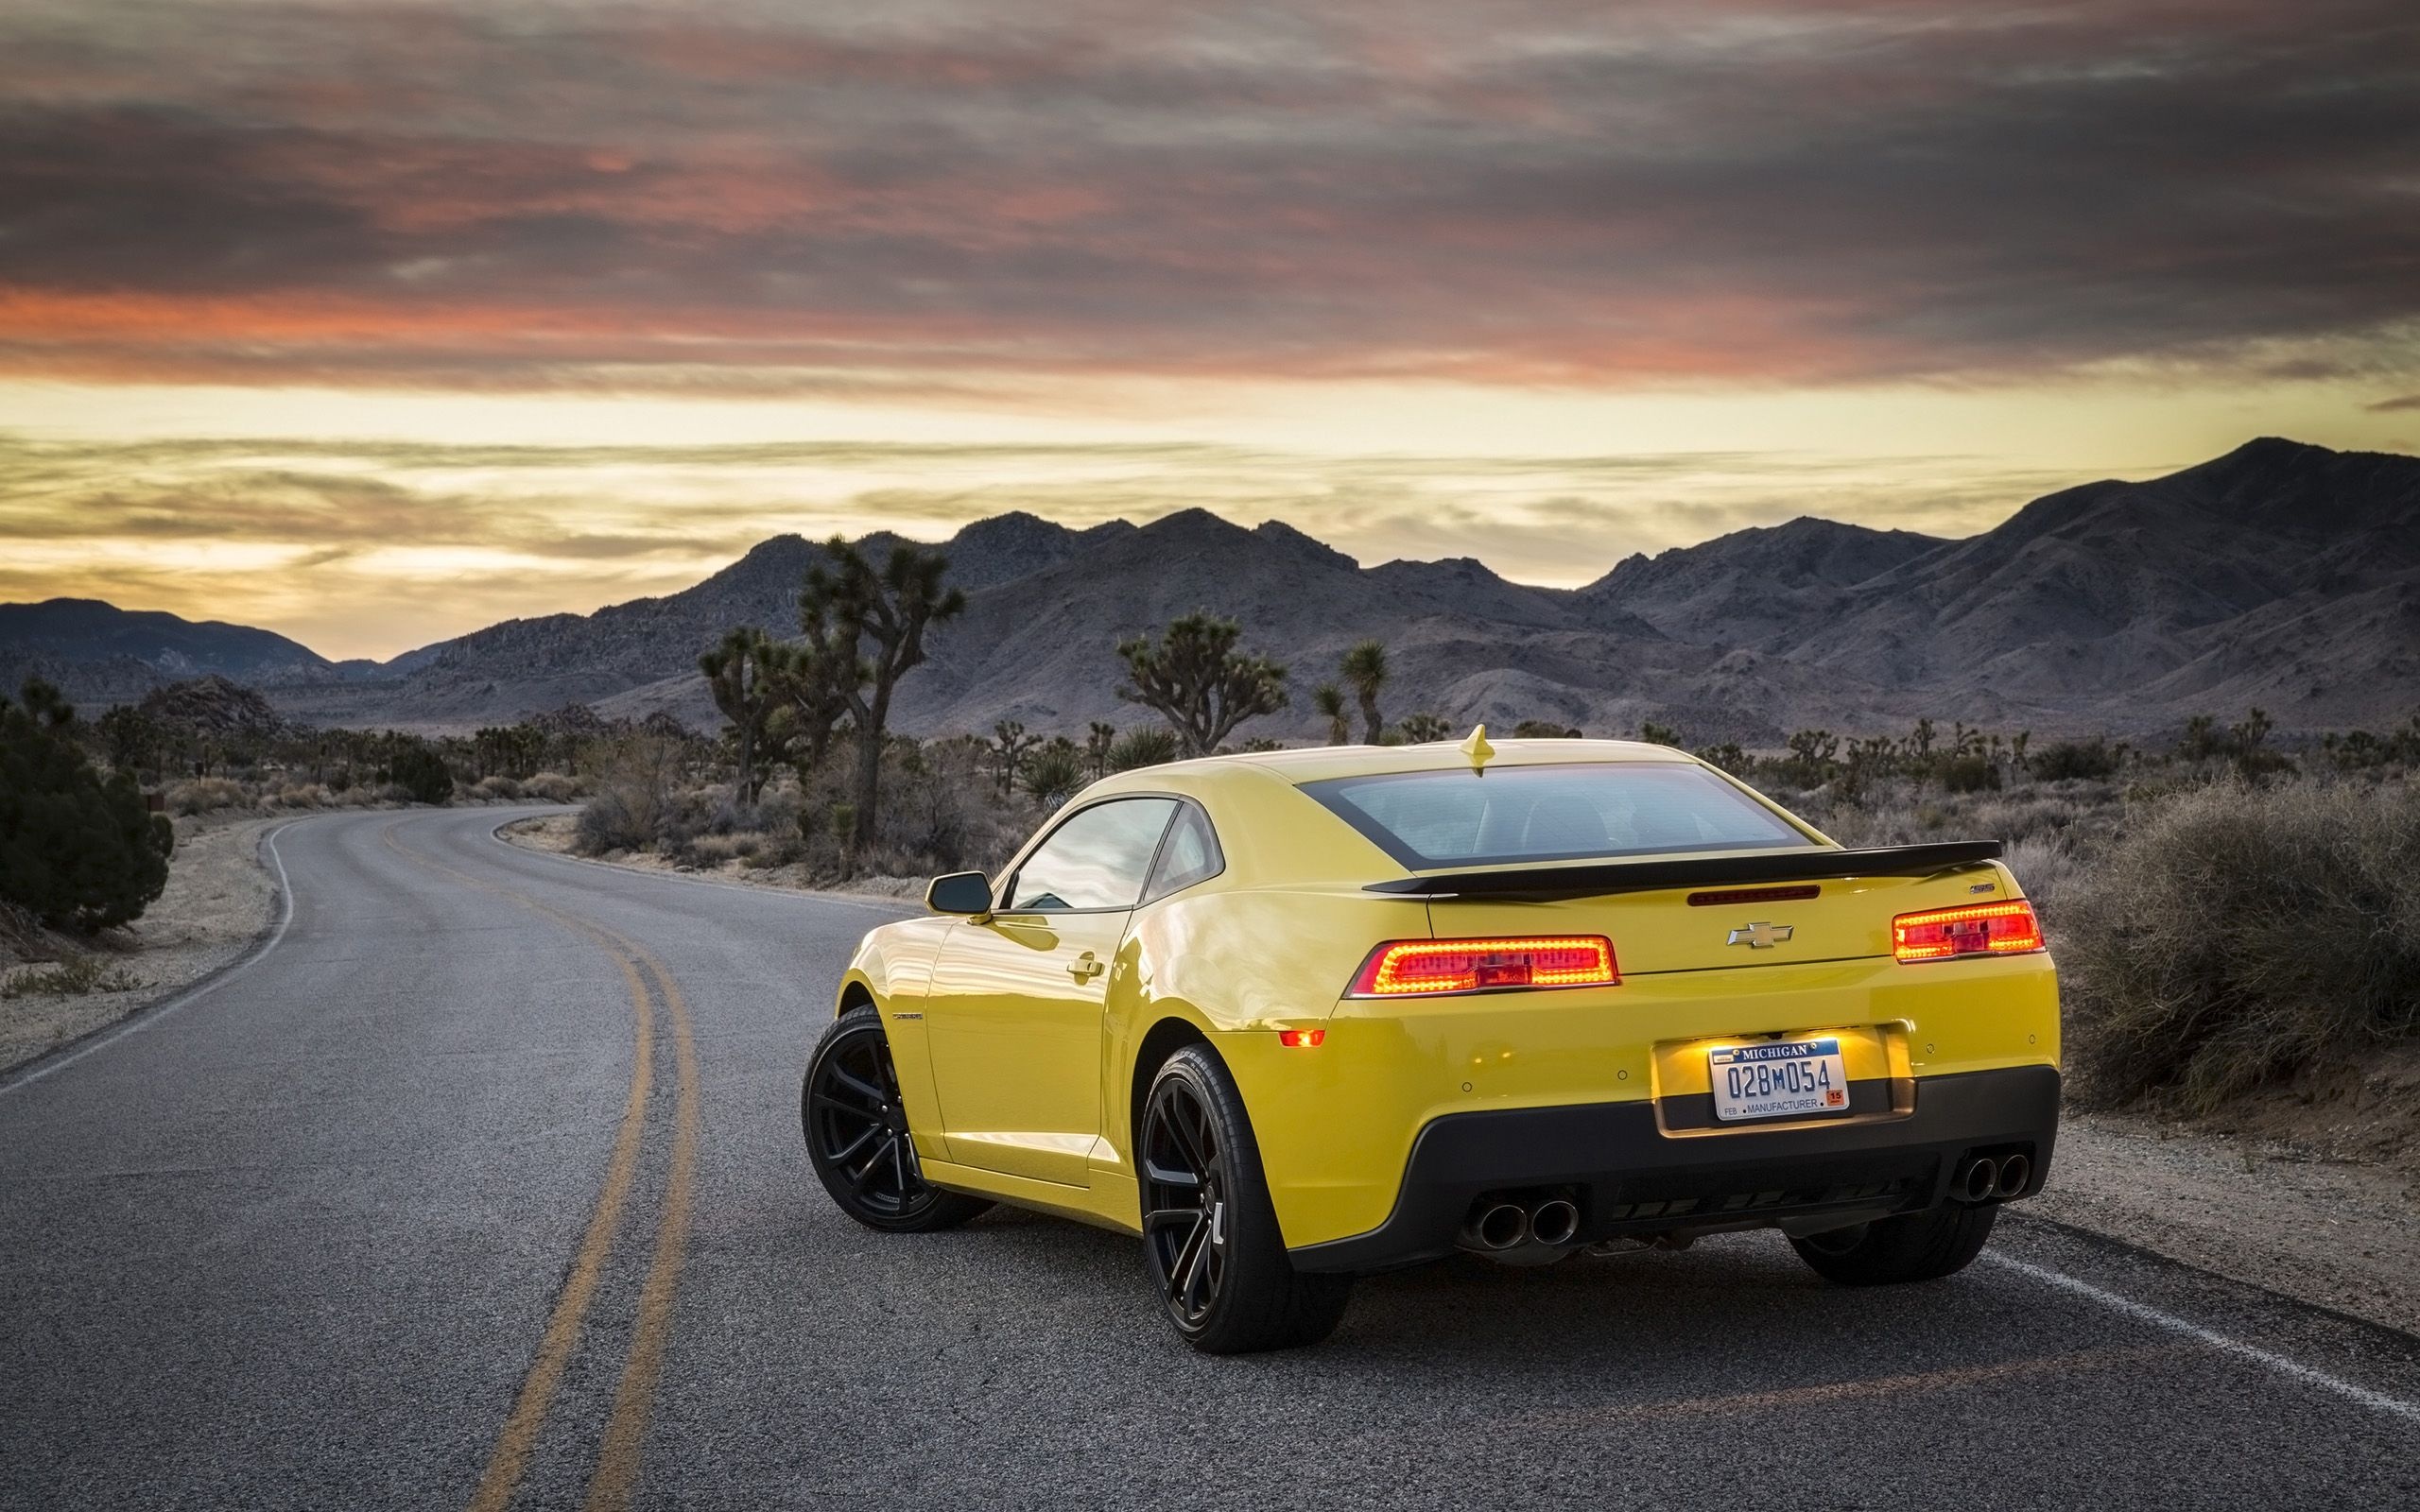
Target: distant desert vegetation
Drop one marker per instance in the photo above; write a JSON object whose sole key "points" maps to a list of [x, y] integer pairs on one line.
{"points": [[2186, 705]]}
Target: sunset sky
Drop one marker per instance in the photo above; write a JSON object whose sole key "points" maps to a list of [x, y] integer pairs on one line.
{"points": [[375, 322]]}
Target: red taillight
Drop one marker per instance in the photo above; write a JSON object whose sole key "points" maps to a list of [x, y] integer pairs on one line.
{"points": [[1977, 929], [1408, 968]]}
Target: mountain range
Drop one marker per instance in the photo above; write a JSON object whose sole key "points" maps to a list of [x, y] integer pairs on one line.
{"points": [[2279, 574]]}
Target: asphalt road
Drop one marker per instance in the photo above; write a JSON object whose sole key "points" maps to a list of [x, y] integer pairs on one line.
{"points": [[482, 1186]]}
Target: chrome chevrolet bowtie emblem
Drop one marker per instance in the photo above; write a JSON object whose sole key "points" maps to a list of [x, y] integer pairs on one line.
{"points": [[1759, 936]]}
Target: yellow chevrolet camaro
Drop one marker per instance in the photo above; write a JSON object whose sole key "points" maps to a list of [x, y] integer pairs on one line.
{"points": [[1299, 1016]]}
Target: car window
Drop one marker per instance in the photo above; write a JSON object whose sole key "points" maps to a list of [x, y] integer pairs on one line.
{"points": [[1552, 812], [1096, 859], [1190, 854]]}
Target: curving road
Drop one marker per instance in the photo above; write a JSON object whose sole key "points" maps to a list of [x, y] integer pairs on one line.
{"points": [[481, 1186]]}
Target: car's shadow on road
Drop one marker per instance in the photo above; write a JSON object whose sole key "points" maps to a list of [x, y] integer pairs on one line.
{"points": [[1737, 1312]]}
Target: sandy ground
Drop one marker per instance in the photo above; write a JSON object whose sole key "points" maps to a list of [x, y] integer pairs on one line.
{"points": [[219, 898]]}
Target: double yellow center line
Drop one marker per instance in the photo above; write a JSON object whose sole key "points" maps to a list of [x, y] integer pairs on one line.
{"points": [[617, 1460]]}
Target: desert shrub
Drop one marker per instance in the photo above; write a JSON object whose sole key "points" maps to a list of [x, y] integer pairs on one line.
{"points": [[303, 795], [204, 794], [2069, 759], [1969, 774], [76, 849], [2049, 873], [1053, 775], [496, 785], [422, 775], [1150, 746], [2239, 933], [714, 850], [550, 787], [635, 793], [73, 977]]}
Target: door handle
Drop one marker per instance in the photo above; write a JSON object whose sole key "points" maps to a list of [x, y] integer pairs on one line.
{"points": [[1085, 967]]}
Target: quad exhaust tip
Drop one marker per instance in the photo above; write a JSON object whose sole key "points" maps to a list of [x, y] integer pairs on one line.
{"points": [[1979, 1180], [1499, 1226], [1554, 1222]]}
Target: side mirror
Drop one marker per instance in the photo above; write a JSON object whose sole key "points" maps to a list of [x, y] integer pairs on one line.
{"points": [[960, 892]]}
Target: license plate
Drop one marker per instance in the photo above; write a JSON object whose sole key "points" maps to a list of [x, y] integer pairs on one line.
{"points": [[1779, 1080]]}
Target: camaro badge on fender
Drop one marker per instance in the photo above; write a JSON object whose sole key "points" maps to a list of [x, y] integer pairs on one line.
{"points": [[1760, 937]]}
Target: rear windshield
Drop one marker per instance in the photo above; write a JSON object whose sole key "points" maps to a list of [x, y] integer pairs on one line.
{"points": [[1551, 813]]}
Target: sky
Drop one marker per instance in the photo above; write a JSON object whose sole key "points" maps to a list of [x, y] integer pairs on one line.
{"points": [[375, 322]]}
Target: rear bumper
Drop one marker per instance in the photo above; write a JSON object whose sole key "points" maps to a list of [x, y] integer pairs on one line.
{"points": [[1628, 1177]]}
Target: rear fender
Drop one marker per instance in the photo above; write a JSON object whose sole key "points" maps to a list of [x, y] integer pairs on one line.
{"points": [[1234, 968]]}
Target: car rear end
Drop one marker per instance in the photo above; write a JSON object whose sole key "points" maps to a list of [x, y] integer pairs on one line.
{"points": [[1648, 1006]]}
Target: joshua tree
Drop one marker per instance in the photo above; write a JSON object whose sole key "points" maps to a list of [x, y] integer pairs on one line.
{"points": [[1097, 747], [1010, 745], [1199, 682], [1365, 673], [1418, 729], [1811, 752], [1728, 756], [746, 673], [1329, 700], [875, 622], [814, 690]]}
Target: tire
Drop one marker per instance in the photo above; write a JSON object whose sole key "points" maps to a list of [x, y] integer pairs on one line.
{"points": [[856, 1133], [1210, 1238], [1914, 1246]]}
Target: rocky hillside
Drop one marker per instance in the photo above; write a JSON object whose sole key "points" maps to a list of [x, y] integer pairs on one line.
{"points": [[2281, 574], [102, 654]]}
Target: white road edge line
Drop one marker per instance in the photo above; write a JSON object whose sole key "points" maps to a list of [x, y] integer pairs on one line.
{"points": [[2295, 1369], [144, 1017]]}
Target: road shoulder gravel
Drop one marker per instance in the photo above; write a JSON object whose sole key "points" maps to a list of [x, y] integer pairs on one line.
{"points": [[220, 899], [2338, 1233]]}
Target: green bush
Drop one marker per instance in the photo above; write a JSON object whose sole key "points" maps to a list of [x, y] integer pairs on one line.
{"points": [[1969, 774], [75, 849], [423, 774], [1150, 745], [2239, 933], [2074, 759], [1053, 775]]}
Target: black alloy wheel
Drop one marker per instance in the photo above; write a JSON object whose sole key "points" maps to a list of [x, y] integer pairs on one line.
{"points": [[1210, 1234], [856, 1133], [1186, 1191]]}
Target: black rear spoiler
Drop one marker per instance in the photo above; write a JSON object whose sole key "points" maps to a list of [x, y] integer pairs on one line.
{"points": [[1694, 871]]}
